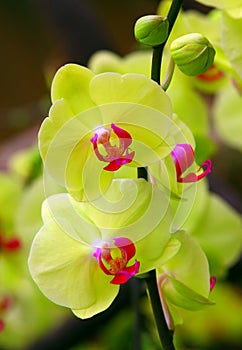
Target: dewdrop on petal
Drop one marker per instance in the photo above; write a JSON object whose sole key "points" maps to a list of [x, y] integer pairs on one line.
{"points": [[151, 30], [192, 53]]}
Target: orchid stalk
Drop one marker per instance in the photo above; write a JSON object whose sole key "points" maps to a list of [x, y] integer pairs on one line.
{"points": [[158, 50], [166, 336]]}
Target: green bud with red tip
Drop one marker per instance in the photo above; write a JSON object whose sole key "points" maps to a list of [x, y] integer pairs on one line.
{"points": [[192, 53]]}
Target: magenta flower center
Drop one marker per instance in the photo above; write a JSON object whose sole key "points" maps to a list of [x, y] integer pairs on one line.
{"points": [[112, 146], [114, 260]]}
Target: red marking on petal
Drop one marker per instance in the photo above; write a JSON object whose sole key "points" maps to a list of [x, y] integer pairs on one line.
{"points": [[237, 85], [117, 266], [95, 147], [113, 166], [126, 245], [2, 325], [98, 255], [117, 149], [12, 244], [188, 178], [122, 134], [117, 163], [213, 281], [120, 278], [207, 168], [124, 275], [132, 270], [5, 302], [212, 74]]}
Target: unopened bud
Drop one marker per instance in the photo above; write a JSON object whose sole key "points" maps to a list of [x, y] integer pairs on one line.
{"points": [[192, 53], [151, 30]]}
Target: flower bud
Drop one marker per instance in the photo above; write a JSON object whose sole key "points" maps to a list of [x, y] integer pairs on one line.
{"points": [[151, 30], [192, 53]]}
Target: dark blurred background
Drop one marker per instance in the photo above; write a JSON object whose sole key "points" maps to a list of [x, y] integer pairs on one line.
{"points": [[38, 36]]}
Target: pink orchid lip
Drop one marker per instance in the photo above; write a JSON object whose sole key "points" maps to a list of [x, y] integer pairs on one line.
{"points": [[116, 155], [117, 266], [183, 157]]}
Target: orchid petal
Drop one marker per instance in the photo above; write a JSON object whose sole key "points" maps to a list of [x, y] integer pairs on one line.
{"points": [[114, 87], [220, 236], [189, 266], [71, 82], [227, 117], [184, 280], [71, 218], [66, 272]]}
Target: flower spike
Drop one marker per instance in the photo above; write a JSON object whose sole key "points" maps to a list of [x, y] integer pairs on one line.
{"points": [[117, 266], [183, 156], [116, 154]]}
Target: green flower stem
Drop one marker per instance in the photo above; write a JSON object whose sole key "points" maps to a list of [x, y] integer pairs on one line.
{"points": [[169, 73], [158, 50], [142, 173], [156, 63], [136, 292], [166, 336]]}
